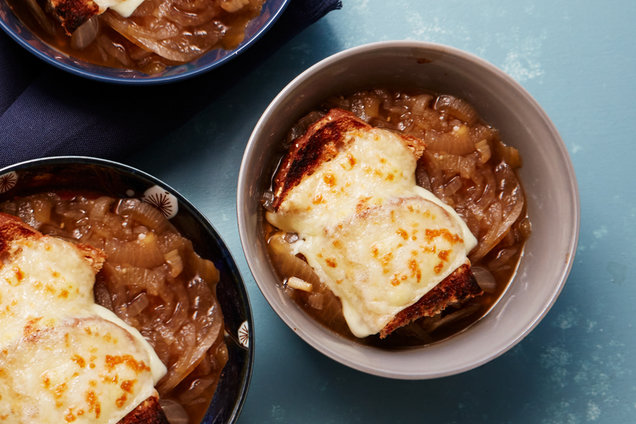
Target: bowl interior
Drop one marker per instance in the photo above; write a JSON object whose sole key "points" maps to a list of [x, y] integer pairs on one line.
{"points": [[547, 176], [272, 9], [118, 180]]}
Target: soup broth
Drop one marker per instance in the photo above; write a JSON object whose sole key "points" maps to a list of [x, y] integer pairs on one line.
{"points": [[160, 33]]}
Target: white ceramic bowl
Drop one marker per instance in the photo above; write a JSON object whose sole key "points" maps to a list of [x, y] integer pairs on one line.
{"points": [[547, 176]]}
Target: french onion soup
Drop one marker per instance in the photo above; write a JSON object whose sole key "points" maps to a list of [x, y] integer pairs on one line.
{"points": [[144, 35], [395, 218], [113, 306]]}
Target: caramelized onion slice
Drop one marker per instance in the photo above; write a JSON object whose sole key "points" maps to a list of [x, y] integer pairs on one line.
{"points": [[166, 39], [144, 213], [457, 108], [83, 36], [287, 264], [510, 205], [485, 279], [143, 252], [202, 340], [174, 411], [457, 142]]}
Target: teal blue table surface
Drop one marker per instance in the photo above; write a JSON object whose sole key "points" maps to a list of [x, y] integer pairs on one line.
{"points": [[578, 59]]}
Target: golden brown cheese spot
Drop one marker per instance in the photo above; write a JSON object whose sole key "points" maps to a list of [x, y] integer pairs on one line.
{"points": [[331, 262], [46, 382], [317, 199], [390, 177], [30, 328], [19, 274], [386, 262], [79, 361], [444, 233], [70, 416], [395, 281], [121, 401], [329, 179], [64, 294], [402, 233], [362, 205], [128, 360], [336, 243], [56, 274], [428, 249], [59, 391], [93, 403], [438, 268], [110, 379], [443, 255], [415, 270], [351, 159], [127, 385]]}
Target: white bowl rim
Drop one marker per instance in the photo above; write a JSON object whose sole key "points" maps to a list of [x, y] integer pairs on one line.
{"points": [[574, 201]]}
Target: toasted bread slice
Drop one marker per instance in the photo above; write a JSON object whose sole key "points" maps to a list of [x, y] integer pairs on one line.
{"points": [[71, 14], [12, 228], [322, 142], [148, 412], [457, 288]]}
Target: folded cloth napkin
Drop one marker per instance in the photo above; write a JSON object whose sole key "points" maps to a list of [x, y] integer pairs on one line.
{"points": [[47, 112]]}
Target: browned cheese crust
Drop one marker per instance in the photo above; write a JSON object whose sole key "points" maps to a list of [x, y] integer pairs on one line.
{"points": [[148, 412], [70, 13], [458, 287]]}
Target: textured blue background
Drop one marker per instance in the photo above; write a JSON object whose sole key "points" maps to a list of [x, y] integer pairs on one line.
{"points": [[578, 59]]}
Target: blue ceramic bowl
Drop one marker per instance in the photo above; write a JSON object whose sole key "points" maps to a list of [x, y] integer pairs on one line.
{"points": [[272, 9], [117, 180]]}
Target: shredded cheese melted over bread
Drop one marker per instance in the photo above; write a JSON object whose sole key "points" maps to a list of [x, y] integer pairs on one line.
{"points": [[64, 358], [375, 238]]}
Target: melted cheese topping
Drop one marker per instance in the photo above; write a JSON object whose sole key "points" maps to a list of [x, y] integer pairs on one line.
{"points": [[375, 238], [124, 7], [63, 358]]}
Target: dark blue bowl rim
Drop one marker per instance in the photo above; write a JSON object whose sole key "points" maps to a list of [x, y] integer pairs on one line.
{"points": [[230, 262], [150, 80]]}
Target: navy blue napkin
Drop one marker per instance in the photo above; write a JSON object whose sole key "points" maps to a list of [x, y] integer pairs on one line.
{"points": [[47, 112]]}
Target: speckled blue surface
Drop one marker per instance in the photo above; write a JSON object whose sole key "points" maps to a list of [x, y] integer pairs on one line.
{"points": [[578, 59]]}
